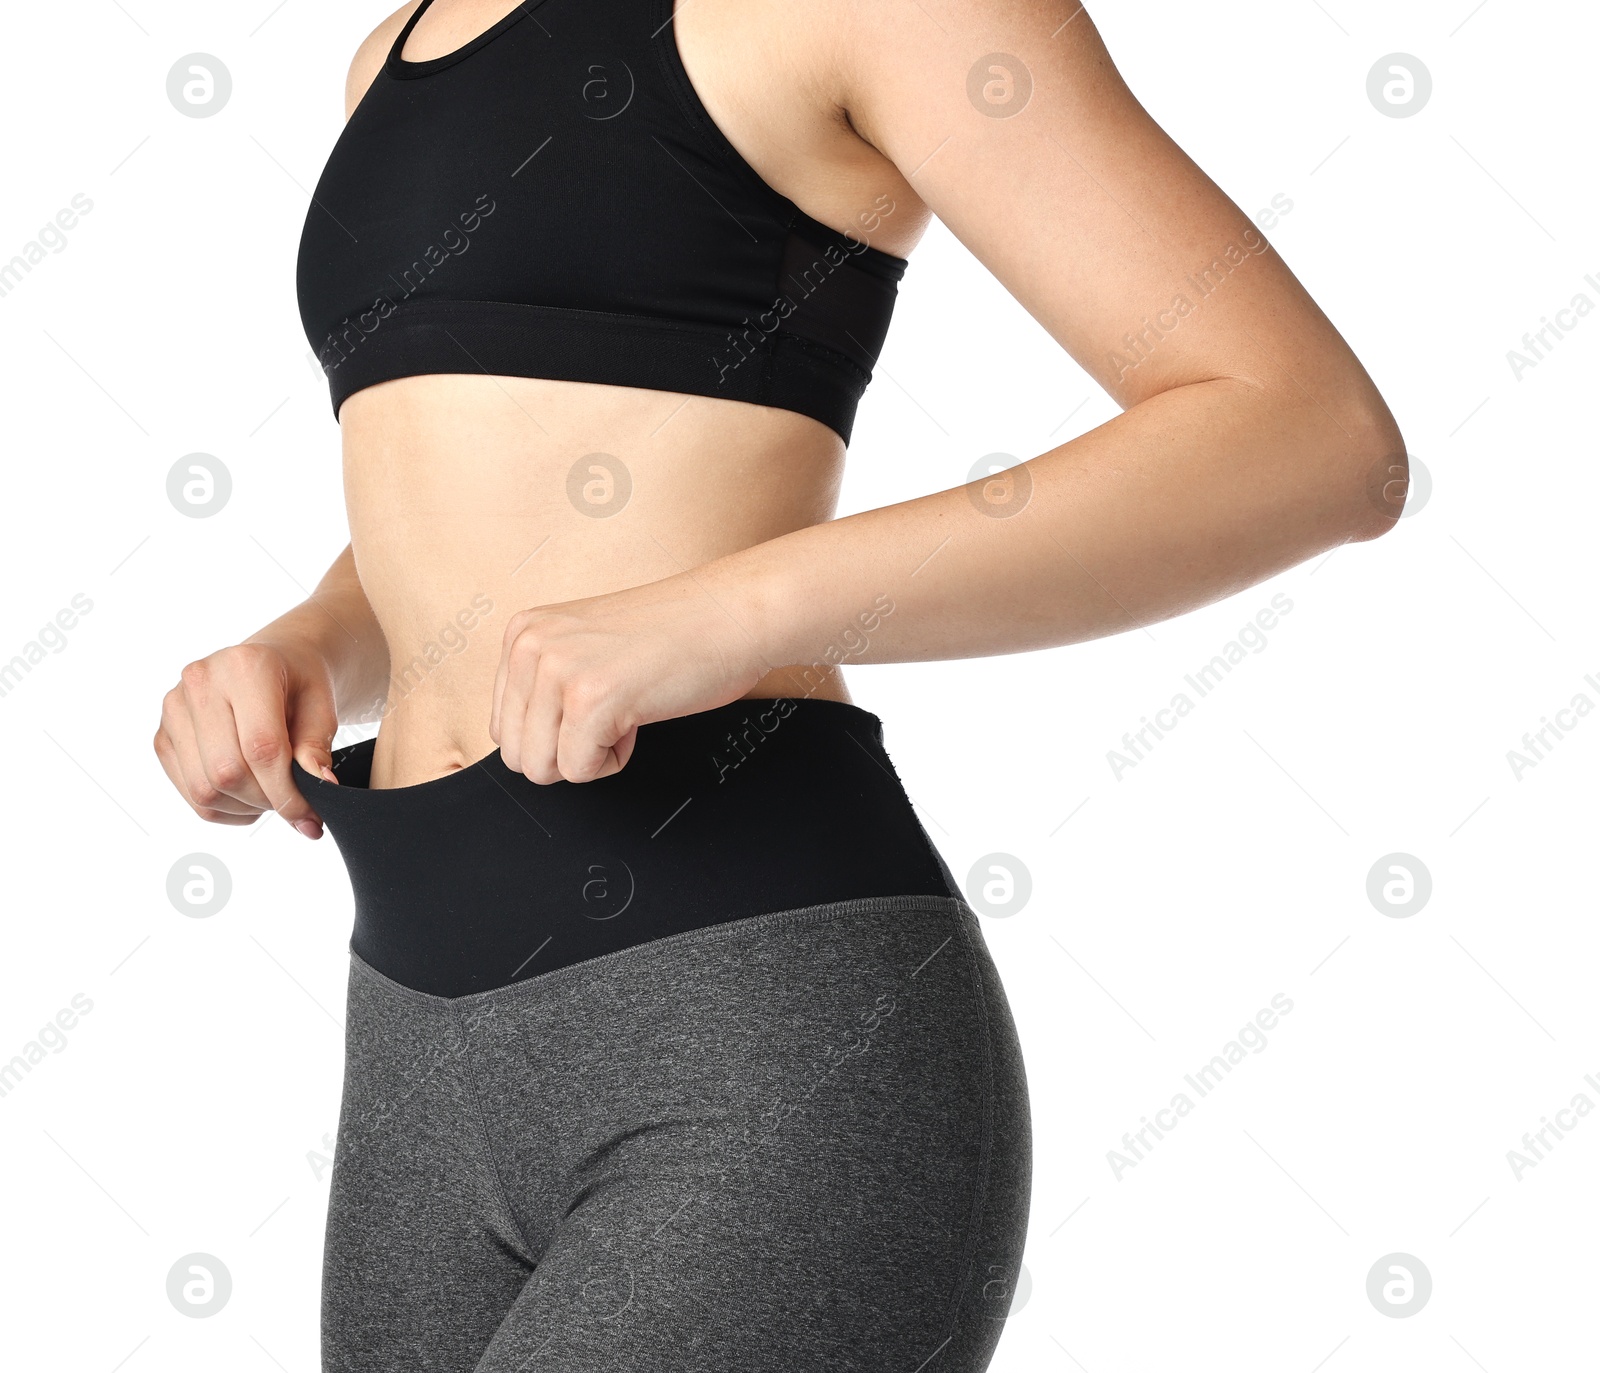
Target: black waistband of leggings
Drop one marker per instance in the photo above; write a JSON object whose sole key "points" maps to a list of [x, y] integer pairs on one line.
{"points": [[482, 878]]}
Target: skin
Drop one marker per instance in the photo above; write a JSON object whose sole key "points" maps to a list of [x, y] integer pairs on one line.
{"points": [[1250, 438]]}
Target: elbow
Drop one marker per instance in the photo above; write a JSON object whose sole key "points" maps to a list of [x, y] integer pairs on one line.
{"points": [[1338, 469], [1376, 475], [1352, 474], [1337, 462]]}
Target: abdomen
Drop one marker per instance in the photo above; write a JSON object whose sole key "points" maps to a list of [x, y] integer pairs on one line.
{"points": [[473, 497]]}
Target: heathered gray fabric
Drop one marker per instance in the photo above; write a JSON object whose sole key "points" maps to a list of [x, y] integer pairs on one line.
{"points": [[794, 1142]]}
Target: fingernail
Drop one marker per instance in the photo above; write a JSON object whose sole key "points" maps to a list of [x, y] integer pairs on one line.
{"points": [[310, 828], [327, 775]]}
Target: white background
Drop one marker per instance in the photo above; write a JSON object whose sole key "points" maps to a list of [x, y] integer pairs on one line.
{"points": [[1228, 866]]}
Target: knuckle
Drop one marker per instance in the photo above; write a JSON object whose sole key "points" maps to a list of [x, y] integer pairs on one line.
{"points": [[196, 675], [204, 795], [524, 647], [223, 817], [251, 660], [264, 748], [585, 694], [227, 773]]}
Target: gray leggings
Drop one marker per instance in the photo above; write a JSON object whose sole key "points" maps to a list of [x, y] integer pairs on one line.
{"points": [[797, 1141]]}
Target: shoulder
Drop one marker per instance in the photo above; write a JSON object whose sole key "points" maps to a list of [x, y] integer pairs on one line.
{"points": [[369, 58], [987, 58]]}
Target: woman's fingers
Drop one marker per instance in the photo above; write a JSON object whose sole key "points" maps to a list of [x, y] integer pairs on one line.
{"points": [[585, 739], [552, 722], [180, 760], [311, 729], [541, 724], [519, 661], [519, 656], [554, 712], [233, 726], [497, 701], [260, 712], [216, 734]]}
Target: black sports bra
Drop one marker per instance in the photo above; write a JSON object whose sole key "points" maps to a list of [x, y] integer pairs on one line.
{"points": [[553, 200]]}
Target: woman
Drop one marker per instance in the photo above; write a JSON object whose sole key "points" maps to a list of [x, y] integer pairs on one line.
{"points": [[671, 1042]]}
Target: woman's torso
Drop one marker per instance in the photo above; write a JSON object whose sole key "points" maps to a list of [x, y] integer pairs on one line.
{"points": [[473, 496]]}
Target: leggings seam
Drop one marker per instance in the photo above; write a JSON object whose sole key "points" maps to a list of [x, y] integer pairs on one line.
{"points": [[980, 1198], [747, 927], [485, 1144]]}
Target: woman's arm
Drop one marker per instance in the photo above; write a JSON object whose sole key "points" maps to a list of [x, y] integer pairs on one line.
{"points": [[236, 719], [1251, 437], [1188, 497], [336, 622]]}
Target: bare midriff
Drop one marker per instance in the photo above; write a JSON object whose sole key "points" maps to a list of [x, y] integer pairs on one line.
{"points": [[473, 497]]}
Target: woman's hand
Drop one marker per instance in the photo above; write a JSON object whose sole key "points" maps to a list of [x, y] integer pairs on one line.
{"points": [[577, 679], [235, 720]]}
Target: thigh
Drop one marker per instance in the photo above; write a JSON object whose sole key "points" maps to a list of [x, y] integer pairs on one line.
{"points": [[795, 1146], [421, 1262]]}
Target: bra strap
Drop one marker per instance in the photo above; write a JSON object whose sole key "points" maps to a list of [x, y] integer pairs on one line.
{"points": [[405, 33]]}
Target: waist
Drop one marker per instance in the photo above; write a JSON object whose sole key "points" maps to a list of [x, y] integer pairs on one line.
{"points": [[483, 878], [436, 715], [471, 498]]}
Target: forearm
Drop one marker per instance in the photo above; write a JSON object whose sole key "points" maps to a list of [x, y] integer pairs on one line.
{"points": [[1185, 498], [337, 623]]}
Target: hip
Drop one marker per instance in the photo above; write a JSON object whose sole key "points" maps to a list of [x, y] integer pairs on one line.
{"points": [[812, 1124]]}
